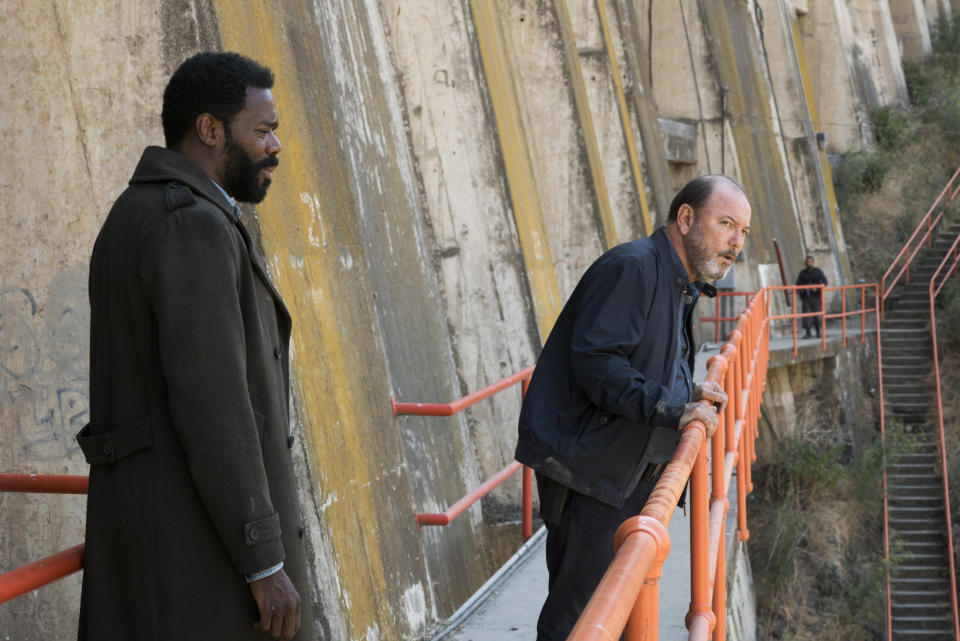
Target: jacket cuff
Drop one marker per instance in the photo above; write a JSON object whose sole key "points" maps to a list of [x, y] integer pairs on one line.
{"points": [[668, 417], [262, 546]]}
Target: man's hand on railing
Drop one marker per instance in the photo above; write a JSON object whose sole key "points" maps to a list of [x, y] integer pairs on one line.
{"points": [[709, 415]]}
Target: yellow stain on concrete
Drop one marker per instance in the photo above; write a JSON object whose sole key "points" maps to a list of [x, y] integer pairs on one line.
{"points": [[826, 171], [752, 132], [329, 368], [582, 103], [625, 119], [518, 166]]}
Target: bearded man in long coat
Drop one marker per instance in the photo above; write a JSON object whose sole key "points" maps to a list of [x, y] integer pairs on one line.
{"points": [[193, 524]]}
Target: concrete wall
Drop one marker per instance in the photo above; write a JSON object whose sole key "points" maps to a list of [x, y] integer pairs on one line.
{"points": [[450, 169]]}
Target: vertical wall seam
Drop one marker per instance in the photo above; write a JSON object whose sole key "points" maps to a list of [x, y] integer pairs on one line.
{"points": [[531, 228], [625, 118], [585, 117]]}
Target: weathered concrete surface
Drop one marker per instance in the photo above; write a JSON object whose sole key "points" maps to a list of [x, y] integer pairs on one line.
{"points": [[449, 169], [554, 137], [913, 31], [482, 286]]}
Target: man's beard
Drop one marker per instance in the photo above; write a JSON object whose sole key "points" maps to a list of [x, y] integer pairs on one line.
{"points": [[242, 176], [707, 267]]}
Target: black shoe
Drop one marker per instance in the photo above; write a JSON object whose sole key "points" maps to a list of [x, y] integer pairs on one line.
{"points": [[807, 335]]}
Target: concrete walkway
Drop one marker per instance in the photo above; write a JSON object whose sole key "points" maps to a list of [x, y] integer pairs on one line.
{"points": [[507, 607]]}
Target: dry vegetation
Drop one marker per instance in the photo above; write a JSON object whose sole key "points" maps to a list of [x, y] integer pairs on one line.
{"points": [[816, 543]]}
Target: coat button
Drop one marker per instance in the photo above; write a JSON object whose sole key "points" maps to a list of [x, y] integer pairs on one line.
{"points": [[277, 353], [290, 441], [300, 531], [603, 420], [107, 449], [254, 534]]}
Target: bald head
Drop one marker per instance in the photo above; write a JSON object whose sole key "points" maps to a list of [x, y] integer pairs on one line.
{"points": [[698, 191]]}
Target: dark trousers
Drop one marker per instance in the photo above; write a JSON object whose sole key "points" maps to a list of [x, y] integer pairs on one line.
{"points": [[579, 550], [809, 304]]}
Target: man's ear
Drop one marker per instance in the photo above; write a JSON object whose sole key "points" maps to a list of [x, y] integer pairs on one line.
{"points": [[209, 130], [685, 218]]}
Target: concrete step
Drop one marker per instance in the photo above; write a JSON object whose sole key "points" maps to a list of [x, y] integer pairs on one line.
{"points": [[927, 559], [916, 458], [926, 605], [941, 585], [896, 395], [904, 481], [910, 346], [928, 502], [919, 598], [933, 535], [909, 511], [912, 380], [909, 634], [924, 622], [923, 571], [925, 524]]}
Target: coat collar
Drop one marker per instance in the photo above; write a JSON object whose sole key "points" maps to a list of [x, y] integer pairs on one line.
{"points": [[675, 271], [158, 164]]}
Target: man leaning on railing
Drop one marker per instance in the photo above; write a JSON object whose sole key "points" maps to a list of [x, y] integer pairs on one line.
{"points": [[613, 387]]}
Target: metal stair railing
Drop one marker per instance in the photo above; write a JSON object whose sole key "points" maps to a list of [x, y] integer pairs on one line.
{"points": [[911, 248], [937, 282]]}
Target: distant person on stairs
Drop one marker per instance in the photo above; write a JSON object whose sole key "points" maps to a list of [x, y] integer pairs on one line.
{"points": [[613, 388], [810, 298]]}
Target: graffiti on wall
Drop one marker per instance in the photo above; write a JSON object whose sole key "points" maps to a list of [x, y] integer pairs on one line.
{"points": [[43, 370]]}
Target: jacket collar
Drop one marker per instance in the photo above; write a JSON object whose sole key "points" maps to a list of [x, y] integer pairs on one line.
{"points": [[158, 164], [676, 272]]}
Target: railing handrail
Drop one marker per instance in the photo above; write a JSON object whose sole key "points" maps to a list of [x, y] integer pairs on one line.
{"points": [[39, 573], [449, 409], [934, 289], [925, 221], [823, 315], [44, 483]]}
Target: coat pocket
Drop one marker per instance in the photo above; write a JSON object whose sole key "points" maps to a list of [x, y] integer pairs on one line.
{"points": [[117, 443]]}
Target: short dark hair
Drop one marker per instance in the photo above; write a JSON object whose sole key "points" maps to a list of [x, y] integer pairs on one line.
{"points": [[697, 192], [211, 82]]}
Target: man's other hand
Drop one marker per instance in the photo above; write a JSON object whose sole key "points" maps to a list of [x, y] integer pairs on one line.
{"points": [[279, 606], [706, 414], [707, 391]]}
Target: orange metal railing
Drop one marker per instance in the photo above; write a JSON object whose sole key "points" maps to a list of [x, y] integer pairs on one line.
{"points": [[913, 246], [39, 573], [937, 282], [866, 293], [449, 409]]}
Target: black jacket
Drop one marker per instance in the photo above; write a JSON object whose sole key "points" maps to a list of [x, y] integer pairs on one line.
{"points": [[192, 483], [601, 385], [811, 276]]}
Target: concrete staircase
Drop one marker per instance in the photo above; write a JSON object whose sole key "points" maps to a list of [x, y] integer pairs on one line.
{"points": [[920, 584]]}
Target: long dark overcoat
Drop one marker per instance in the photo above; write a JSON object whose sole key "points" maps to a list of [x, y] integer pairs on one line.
{"points": [[191, 479]]}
